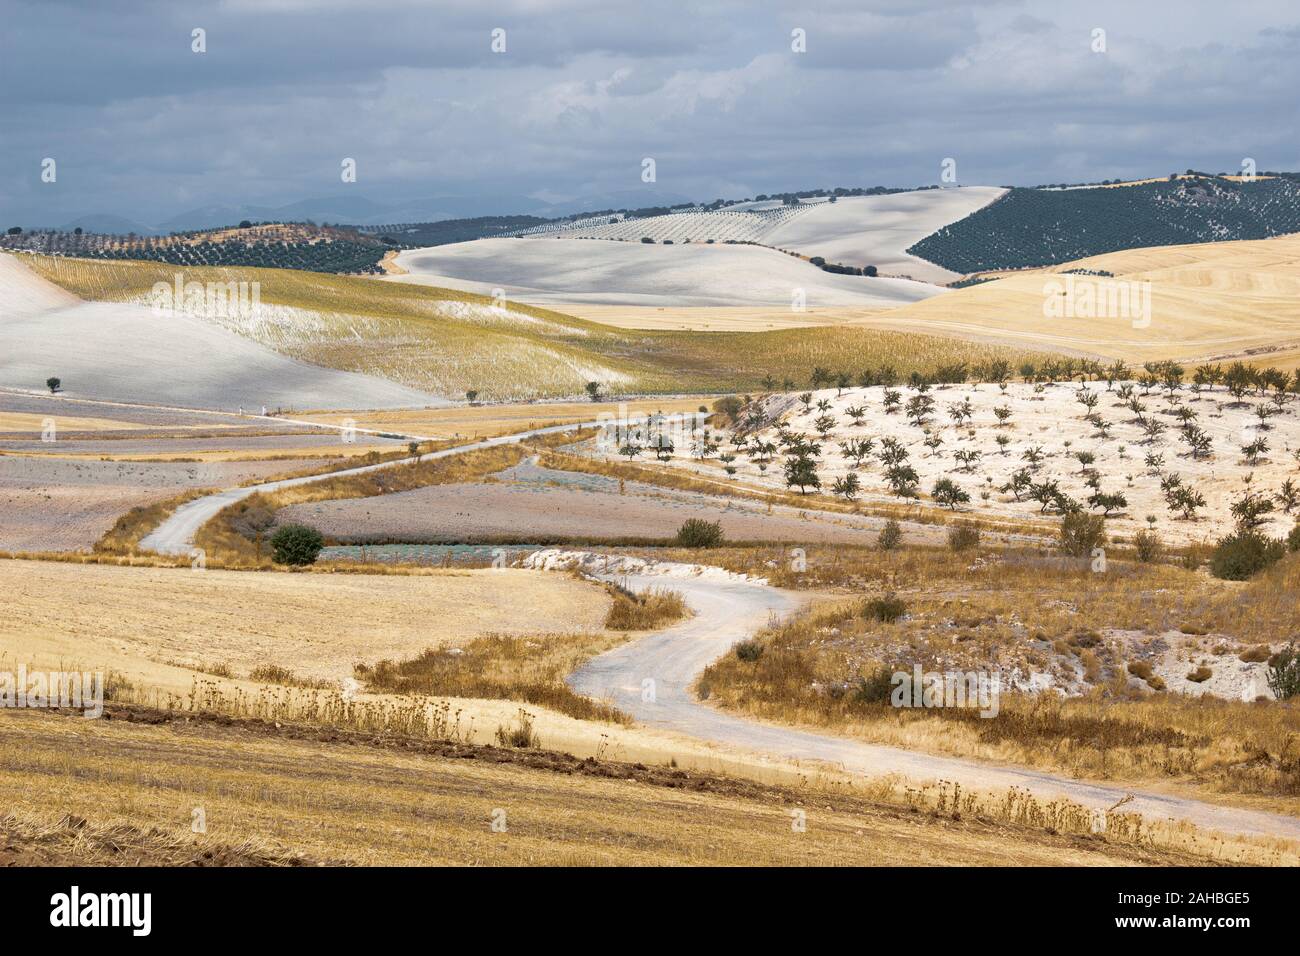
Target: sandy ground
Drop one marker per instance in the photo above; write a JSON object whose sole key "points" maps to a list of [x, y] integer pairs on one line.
{"points": [[127, 353], [66, 504], [1049, 420], [876, 230], [672, 659], [605, 272], [146, 622]]}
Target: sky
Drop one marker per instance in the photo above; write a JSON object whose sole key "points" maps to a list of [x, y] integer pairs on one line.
{"points": [[142, 126]]}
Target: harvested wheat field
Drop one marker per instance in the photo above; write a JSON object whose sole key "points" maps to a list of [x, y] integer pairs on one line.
{"points": [[1208, 301], [284, 796], [140, 621], [487, 421]]}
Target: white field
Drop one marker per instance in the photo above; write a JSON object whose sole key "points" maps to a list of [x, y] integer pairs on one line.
{"points": [[124, 352], [555, 271], [742, 225], [876, 230], [1053, 420]]}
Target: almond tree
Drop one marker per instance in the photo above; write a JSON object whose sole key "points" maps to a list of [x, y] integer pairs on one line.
{"points": [[846, 487], [947, 493]]}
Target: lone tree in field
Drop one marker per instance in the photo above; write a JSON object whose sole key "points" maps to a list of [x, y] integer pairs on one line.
{"points": [[296, 544], [53, 384], [593, 391]]}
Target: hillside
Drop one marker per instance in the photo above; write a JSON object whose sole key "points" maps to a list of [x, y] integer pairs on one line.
{"points": [[1217, 301], [856, 231], [447, 342], [1034, 227], [558, 271], [123, 351], [267, 245]]}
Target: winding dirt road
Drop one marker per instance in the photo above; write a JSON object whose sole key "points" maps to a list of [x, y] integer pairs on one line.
{"points": [[730, 611], [726, 613]]}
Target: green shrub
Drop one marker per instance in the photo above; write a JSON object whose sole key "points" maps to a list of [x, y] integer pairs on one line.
{"points": [[891, 536], [1284, 672], [749, 651], [296, 544], [875, 688], [1243, 554], [963, 537], [698, 533], [1149, 546], [1293, 539], [1081, 532], [885, 609]]}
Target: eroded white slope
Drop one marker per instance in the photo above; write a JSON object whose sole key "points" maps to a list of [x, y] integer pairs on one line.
{"points": [[553, 271], [877, 230]]}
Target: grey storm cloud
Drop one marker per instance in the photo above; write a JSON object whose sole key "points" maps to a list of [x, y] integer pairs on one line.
{"points": [[143, 128]]}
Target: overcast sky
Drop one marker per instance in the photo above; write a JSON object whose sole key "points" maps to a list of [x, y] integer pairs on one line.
{"points": [[142, 127]]}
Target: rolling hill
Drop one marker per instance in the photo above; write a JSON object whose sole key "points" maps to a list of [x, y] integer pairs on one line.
{"points": [[1034, 227], [557, 271], [1216, 300], [446, 342], [123, 351]]}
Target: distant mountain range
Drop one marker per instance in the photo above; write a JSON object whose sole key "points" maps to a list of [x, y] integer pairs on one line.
{"points": [[361, 211]]}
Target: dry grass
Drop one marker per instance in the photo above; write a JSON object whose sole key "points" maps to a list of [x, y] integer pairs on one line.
{"points": [[30, 422], [998, 611], [528, 668], [42, 839], [289, 793], [158, 625], [644, 611], [124, 537]]}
